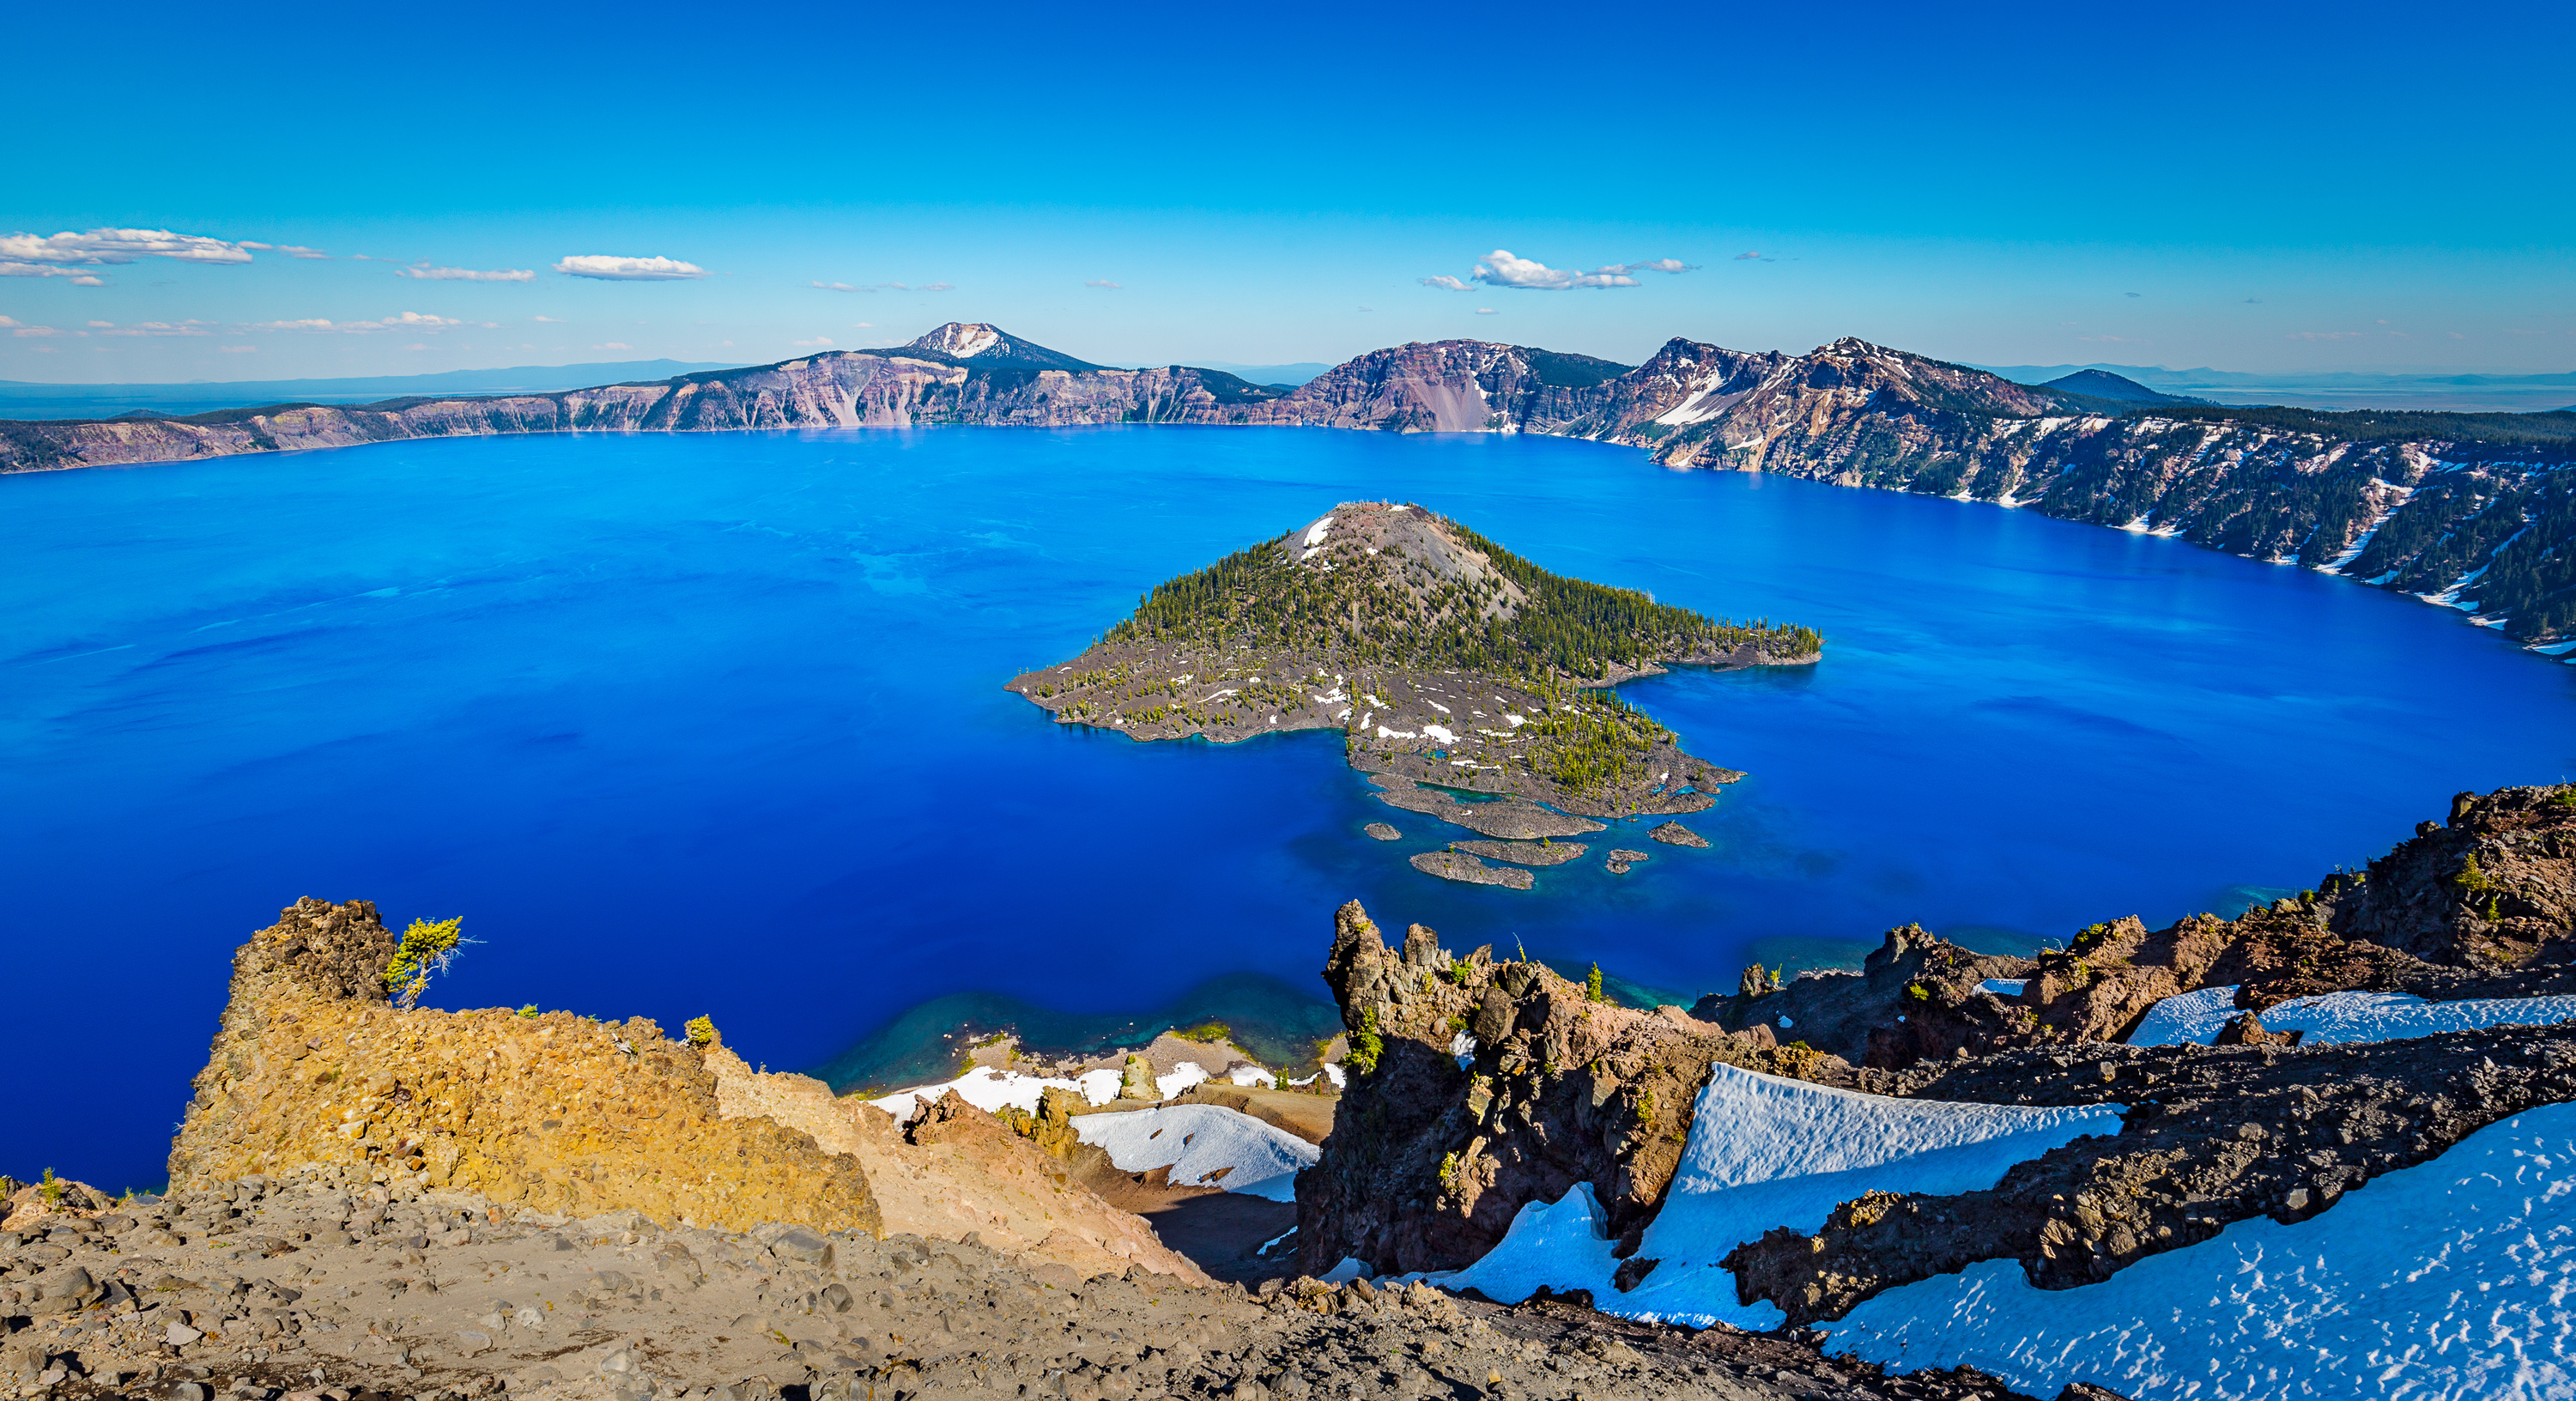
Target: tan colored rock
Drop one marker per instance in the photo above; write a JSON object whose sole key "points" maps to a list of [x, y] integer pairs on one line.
{"points": [[314, 1066], [953, 1169]]}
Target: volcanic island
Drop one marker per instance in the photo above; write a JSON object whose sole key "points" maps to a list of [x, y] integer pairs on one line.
{"points": [[1470, 684]]}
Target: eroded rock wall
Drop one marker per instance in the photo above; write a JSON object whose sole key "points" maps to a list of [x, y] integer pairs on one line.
{"points": [[314, 1065], [1431, 1158]]}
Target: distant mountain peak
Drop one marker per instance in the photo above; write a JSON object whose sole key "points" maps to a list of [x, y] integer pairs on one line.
{"points": [[2120, 389], [978, 340]]}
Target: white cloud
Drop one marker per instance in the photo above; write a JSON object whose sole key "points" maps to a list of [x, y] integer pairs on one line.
{"points": [[17, 329], [291, 250], [1751, 256], [407, 321], [1102, 282], [8, 321], [613, 345], [416, 345], [549, 320], [101, 246], [609, 268], [1504, 268], [818, 340], [100, 325], [1486, 311], [935, 287], [855, 326], [422, 271], [842, 287], [159, 328], [16, 269], [239, 349]]}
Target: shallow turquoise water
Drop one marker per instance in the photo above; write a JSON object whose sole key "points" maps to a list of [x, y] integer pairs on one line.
{"points": [[713, 723]]}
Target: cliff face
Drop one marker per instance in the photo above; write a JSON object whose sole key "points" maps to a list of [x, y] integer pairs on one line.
{"points": [[1499, 1084], [314, 1066], [1495, 1085]]}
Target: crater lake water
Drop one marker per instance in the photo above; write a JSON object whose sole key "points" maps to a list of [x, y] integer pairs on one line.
{"points": [[714, 724]]}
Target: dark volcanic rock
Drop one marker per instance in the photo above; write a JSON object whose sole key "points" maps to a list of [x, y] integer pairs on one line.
{"points": [[2495, 888], [2213, 1135], [1525, 853], [1916, 996], [1514, 819], [1459, 866], [1429, 1161], [1675, 834]]}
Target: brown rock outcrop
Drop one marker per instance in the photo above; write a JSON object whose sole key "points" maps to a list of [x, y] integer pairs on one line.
{"points": [[1429, 1159], [314, 1066], [2495, 887], [950, 1169]]}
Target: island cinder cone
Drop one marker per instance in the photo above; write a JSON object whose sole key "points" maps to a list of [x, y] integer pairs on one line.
{"points": [[1443, 658]]}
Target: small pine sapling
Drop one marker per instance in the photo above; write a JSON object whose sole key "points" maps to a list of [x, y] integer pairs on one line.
{"points": [[426, 950]]}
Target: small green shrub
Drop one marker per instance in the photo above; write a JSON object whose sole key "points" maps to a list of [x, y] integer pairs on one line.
{"points": [[1366, 1044], [701, 1032], [1458, 971], [426, 950], [529, 1011], [51, 1189], [1206, 1033], [1917, 992], [1592, 986], [1449, 1173], [2471, 877]]}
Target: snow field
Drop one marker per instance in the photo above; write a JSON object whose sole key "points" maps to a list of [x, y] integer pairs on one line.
{"points": [[2451, 1280], [2195, 1018], [1198, 1140]]}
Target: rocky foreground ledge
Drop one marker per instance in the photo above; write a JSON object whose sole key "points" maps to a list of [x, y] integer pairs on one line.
{"points": [[303, 1288], [372, 1202]]}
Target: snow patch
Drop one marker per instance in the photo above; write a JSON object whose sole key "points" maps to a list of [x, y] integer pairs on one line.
{"points": [[989, 1089], [2447, 1281], [1440, 733], [2194, 1018], [1198, 1141]]}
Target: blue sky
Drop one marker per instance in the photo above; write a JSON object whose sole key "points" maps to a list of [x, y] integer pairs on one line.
{"points": [[2266, 188]]}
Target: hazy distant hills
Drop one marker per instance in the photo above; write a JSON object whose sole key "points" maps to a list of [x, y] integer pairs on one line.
{"points": [[2475, 511], [2340, 390], [2102, 384], [22, 400]]}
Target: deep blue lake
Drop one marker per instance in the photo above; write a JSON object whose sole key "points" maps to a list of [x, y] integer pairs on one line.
{"points": [[713, 723]]}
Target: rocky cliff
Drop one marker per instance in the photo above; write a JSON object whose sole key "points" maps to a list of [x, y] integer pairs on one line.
{"points": [[2476, 511], [314, 1067], [956, 374], [1491, 1085], [1480, 1086]]}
